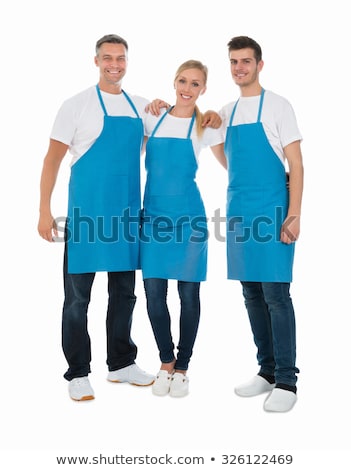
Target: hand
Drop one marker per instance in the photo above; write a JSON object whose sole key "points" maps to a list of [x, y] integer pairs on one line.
{"points": [[47, 227], [211, 119], [155, 106], [290, 229]]}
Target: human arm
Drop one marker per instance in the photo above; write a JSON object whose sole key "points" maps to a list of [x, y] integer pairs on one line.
{"points": [[155, 106], [52, 161], [143, 148], [218, 152], [291, 226], [211, 119]]}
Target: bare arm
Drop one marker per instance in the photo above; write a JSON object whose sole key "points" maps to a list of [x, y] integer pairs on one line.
{"points": [[52, 161], [211, 119], [143, 148], [155, 106], [218, 152], [291, 226]]}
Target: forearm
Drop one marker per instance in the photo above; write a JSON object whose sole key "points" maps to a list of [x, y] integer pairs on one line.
{"points": [[296, 175], [47, 184], [218, 152], [291, 226], [51, 166]]}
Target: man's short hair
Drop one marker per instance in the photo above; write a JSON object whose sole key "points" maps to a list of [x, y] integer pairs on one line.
{"points": [[112, 39]]}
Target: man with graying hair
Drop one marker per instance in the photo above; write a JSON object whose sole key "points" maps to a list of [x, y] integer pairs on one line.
{"points": [[102, 127]]}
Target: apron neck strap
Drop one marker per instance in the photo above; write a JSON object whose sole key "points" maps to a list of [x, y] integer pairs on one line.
{"points": [[131, 103], [124, 94], [191, 125], [101, 100], [259, 108], [233, 112], [165, 114]]}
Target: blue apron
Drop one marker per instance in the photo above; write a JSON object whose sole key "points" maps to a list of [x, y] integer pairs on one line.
{"points": [[104, 199], [257, 204], [174, 227]]}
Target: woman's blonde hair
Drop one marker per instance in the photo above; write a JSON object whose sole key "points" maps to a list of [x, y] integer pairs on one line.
{"points": [[194, 64]]}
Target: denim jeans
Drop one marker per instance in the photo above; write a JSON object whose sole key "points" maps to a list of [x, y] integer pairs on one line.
{"points": [[156, 297], [121, 350], [272, 320]]}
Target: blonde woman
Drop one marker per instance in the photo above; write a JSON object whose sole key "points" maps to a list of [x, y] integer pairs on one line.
{"points": [[174, 229]]}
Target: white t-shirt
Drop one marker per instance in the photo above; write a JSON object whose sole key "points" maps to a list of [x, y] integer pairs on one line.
{"points": [[173, 126], [80, 119], [277, 117]]}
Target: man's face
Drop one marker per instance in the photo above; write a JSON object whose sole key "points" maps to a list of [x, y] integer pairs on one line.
{"points": [[112, 61], [244, 68]]}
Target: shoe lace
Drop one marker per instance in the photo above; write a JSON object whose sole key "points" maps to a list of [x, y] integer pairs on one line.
{"points": [[81, 381]]}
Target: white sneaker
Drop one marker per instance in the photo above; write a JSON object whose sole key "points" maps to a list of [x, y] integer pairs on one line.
{"points": [[256, 386], [80, 389], [162, 383], [280, 400], [179, 385], [131, 374]]}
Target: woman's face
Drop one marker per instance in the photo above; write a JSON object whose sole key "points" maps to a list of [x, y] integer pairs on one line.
{"points": [[189, 84]]}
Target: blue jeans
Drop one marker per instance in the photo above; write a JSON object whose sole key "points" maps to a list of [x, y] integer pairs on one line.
{"points": [[121, 351], [272, 320], [156, 297]]}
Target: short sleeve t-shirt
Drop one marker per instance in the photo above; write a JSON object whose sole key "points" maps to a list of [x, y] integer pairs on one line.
{"points": [[173, 126], [80, 118], [277, 117]]}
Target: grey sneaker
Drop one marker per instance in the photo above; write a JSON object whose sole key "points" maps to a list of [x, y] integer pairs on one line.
{"points": [[80, 389], [131, 374]]}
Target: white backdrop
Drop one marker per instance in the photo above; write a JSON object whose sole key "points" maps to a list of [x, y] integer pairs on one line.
{"points": [[47, 56]]}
